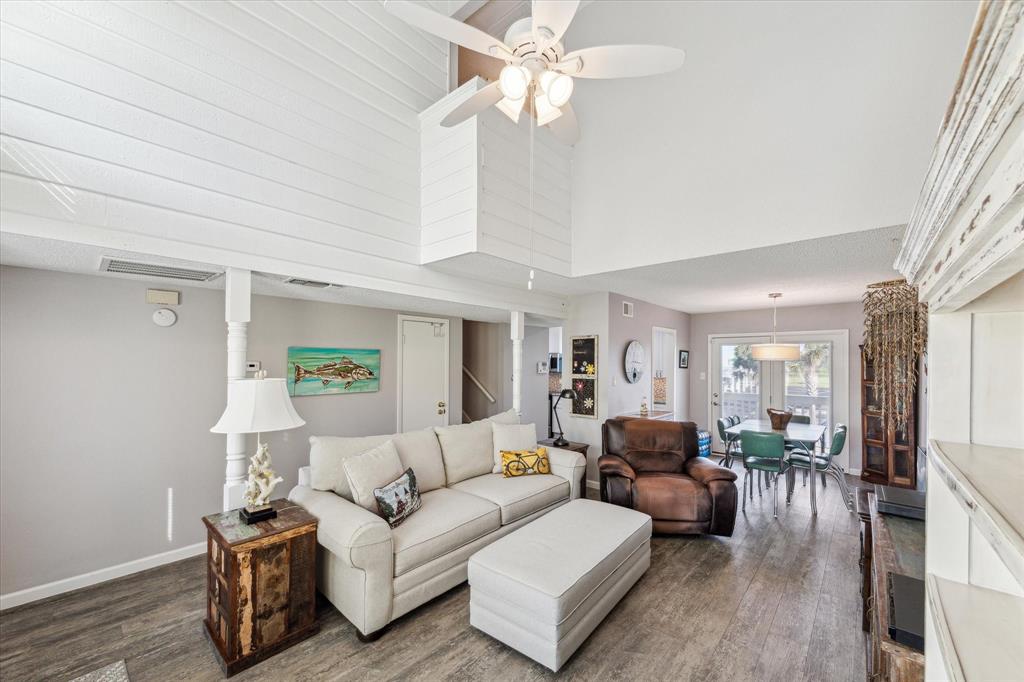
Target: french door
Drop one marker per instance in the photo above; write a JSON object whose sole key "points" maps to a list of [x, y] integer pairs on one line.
{"points": [[815, 386]]}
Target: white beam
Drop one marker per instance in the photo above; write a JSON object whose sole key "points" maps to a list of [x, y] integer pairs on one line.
{"points": [[518, 330], [237, 302]]}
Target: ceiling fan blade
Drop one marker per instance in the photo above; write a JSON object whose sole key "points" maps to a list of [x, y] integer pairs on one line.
{"points": [[480, 100], [621, 61], [554, 15], [565, 128], [450, 29]]}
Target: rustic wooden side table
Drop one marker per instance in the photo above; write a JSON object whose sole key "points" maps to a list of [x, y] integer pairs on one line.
{"points": [[261, 584]]}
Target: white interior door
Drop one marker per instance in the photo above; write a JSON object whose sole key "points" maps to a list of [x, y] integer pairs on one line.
{"points": [[736, 384], [422, 373], [663, 368]]}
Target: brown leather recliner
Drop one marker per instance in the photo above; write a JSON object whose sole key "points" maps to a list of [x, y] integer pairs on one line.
{"points": [[652, 466]]}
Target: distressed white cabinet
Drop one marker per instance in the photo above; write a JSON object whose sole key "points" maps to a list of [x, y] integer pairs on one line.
{"points": [[964, 250]]}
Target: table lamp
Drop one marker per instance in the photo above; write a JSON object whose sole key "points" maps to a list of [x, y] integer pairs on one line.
{"points": [[257, 406], [561, 442]]}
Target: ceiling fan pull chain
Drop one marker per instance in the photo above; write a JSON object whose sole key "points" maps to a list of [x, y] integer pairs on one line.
{"points": [[531, 121]]}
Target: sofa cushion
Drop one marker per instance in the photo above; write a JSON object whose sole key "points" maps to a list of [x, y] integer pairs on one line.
{"points": [[519, 496], [327, 455], [511, 438], [420, 451], [447, 519], [466, 450], [506, 417], [373, 469], [674, 497]]}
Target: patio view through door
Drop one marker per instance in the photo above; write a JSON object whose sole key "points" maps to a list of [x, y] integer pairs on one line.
{"points": [[814, 386]]}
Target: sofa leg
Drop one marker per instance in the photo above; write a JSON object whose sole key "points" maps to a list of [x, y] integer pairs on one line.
{"points": [[372, 637]]}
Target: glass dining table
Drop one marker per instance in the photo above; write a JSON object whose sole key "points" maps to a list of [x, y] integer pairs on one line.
{"points": [[794, 434]]}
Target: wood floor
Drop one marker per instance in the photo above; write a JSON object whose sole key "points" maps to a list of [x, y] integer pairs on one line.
{"points": [[778, 600]]}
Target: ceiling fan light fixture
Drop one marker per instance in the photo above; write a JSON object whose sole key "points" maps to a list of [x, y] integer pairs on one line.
{"points": [[514, 81], [557, 86], [546, 113], [511, 107]]}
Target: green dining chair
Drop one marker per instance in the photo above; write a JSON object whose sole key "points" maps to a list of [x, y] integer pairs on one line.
{"points": [[763, 452], [800, 458], [808, 446], [732, 446]]}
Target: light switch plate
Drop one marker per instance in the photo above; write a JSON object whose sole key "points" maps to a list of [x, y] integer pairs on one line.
{"points": [[253, 366], [703, 376]]}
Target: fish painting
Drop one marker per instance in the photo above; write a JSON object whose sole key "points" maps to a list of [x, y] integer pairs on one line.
{"points": [[322, 371]]}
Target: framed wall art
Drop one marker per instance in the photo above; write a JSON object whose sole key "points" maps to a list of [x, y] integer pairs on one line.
{"points": [[326, 371], [684, 359], [584, 375]]}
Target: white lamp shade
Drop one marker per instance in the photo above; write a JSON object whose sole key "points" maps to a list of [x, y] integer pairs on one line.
{"points": [[545, 112], [258, 405], [775, 351], [511, 107]]}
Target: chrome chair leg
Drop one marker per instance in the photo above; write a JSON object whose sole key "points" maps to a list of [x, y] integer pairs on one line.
{"points": [[775, 509], [823, 484], [805, 477], [746, 475]]}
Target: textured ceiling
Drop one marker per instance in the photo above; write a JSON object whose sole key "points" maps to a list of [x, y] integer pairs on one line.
{"points": [[46, 254], [826, 270]]}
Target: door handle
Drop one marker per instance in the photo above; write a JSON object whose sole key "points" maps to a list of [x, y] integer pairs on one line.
{"points": [[440, 403], [715, 403], [440, 411]]}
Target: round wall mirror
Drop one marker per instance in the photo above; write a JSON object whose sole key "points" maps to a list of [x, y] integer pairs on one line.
{"points": [[634, 364]]}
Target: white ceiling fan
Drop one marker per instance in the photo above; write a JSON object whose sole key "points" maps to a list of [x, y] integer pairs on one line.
{"points": [[536, 63]]}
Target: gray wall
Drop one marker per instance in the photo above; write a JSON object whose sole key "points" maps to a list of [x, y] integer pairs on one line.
{"points": [[624, 397], [101, 412], [801, 318]]}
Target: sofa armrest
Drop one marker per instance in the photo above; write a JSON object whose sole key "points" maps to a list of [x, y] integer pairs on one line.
{"points": [[571, 466], [706, 471], [350, 532], [357, 571], [613, 465], [305, 477]]}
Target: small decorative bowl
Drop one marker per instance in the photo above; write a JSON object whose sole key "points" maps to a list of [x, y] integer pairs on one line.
{"points": [[780, 418]]}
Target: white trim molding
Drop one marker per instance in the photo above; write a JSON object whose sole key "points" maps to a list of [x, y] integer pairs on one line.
{"points": [[966, 233], [77, 582]]}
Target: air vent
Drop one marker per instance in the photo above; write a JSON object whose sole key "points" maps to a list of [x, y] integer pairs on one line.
{"points": [[627, 309], [307, 283], [129, 267]]}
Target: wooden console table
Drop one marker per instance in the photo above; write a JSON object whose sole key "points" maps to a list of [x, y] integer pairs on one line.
{"points": [[888, 544]]}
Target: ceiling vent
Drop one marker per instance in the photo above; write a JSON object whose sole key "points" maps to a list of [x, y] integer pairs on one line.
{"points": [[130, 267], [627, 309], [312, 283]]}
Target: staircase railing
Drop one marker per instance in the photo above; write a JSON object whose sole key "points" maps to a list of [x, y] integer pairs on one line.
{"points": [[476, 382]]}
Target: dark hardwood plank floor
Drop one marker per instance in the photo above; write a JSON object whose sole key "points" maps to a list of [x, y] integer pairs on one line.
{"points": [[779, 600]]}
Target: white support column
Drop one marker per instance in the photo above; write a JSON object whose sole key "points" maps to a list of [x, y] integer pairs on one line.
{"points": [[517, 360], [237, 298]]}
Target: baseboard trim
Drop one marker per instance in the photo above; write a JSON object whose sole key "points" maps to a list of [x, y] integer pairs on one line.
{"points": [[76, 582]]}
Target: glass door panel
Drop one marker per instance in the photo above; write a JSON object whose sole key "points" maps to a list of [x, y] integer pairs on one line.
{"points": [[807, 384], [736, 383]]}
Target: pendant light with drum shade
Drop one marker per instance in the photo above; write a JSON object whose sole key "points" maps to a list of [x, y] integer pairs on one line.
{"points": [[774, 350]]}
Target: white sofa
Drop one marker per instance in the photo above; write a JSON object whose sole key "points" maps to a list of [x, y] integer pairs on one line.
{"points": [[372, 573]]}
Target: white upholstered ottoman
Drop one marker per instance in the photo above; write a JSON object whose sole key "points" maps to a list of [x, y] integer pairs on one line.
{"points": [[543, 588]]}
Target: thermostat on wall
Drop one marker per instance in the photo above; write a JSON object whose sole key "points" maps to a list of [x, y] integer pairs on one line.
{"points": [[164, 317]]}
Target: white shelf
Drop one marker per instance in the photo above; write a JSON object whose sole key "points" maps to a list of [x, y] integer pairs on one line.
{"points": [[980, 631], [988, 482]]}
